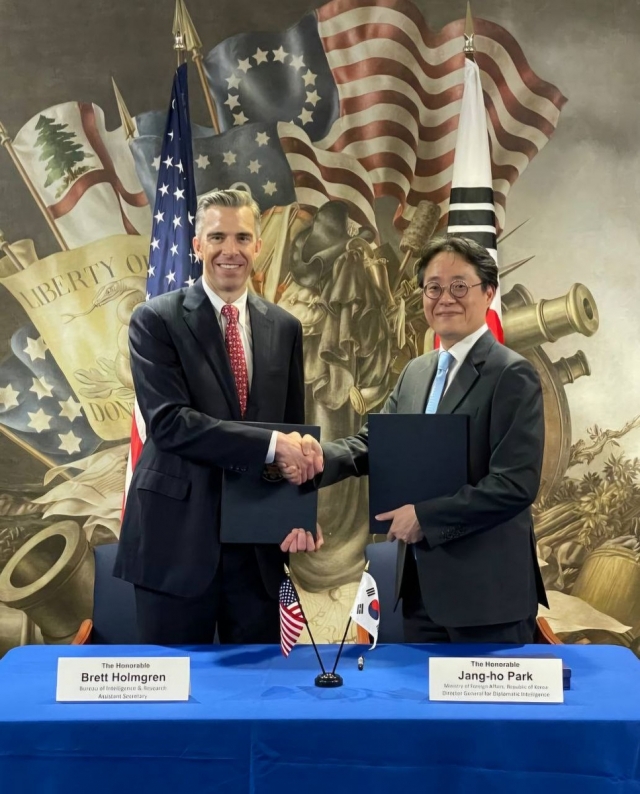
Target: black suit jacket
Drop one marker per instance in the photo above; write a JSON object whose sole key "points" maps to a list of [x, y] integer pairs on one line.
{"points": [[186, 392], [477, 563]]}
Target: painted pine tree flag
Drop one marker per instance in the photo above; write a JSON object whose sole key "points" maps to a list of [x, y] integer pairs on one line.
{"points": [[84, 173]]}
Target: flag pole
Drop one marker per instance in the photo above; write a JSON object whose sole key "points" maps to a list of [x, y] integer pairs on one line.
{"points": [[178, 35], [504, 271], [8, 251], [5, 141], [344, 639], [193, 44], [33, 452], [469, 35], [346, 631], [306, 622], [128, 124]]}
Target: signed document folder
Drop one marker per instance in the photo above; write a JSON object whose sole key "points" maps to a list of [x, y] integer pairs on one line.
{"points": [[413, 458], [261, 506]]}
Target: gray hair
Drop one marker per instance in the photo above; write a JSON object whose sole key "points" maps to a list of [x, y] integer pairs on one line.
{"points": [[227, 198], [466, 248]]}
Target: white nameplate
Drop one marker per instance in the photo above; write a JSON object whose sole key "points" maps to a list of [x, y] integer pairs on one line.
{"points": [[109, 679], [496, 679]]}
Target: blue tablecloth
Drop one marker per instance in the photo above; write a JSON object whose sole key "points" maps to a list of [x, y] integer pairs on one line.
{"points": [[256, 723]]}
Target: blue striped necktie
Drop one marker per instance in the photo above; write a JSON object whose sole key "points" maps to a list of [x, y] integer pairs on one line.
{"points": [[445, 359]]}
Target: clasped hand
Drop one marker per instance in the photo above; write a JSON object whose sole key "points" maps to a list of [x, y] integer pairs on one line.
{"points": [[299, 458]]}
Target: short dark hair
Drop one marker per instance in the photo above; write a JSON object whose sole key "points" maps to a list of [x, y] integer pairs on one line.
{"points": [[473, 253]]}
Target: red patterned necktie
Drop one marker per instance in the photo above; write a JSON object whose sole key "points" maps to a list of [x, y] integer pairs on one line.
{"points": [[236, 354]]}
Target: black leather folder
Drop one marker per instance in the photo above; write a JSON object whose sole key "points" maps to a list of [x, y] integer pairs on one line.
{"points": [[413, 458], [259, 506]]}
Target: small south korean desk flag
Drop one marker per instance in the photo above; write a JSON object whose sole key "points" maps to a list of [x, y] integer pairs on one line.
{"points": [[366, 608]]}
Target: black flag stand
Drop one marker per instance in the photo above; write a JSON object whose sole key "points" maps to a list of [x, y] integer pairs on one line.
{"points": [[325, 679], [335, 665], [333, 674]]}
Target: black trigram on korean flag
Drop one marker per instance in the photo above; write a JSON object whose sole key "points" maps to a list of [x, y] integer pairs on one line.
{"points": [[371, 592], [471, 206], [360, 609], [471, 213]]}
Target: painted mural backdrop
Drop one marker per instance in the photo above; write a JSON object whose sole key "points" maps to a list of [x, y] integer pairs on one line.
{"points": [[342, 123]]}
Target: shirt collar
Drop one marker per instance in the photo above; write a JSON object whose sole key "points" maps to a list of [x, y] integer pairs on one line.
{"points": [[462, 348], [217, 302]]}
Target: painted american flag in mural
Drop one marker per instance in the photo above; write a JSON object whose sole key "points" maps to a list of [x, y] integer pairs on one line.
{"points": [[371, 98]]}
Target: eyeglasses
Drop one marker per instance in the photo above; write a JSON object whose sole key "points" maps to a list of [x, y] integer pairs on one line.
{"points": [[457, 289]]}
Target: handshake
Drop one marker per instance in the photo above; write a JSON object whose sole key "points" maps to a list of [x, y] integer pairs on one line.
{"points": [[299, 458]]}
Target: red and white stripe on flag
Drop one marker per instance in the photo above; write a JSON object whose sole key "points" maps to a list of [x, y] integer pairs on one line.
{"points": [[471, 205], [291, 618], [138, 437], [400, 87]]}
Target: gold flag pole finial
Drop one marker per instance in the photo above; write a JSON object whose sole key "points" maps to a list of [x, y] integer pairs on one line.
{"points": [[128, 124], [5, 141], [469, 43], [178, 35], [193, 44]]}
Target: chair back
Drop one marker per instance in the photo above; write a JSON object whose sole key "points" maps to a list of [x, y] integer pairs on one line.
{"points": [[382, 566], [114, 606]]}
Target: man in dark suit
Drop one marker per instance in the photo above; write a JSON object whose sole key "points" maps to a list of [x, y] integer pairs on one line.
{"points": [[204, 359], [467, 566]]}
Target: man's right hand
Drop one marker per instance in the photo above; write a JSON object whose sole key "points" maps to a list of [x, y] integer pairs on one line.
{"points": [[298, 458]]}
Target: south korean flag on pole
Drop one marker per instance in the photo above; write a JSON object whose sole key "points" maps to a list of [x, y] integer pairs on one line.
{"points": [[366, 608], [471, 207]]}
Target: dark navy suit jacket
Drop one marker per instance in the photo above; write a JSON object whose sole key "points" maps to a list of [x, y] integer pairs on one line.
{"points": [[477, 564], [186, 392]]}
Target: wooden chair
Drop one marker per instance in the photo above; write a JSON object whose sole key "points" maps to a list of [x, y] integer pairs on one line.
{"points": [[544, 633], [114, 609]]}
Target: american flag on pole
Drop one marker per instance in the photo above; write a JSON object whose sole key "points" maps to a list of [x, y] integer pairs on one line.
{"points": [[291, 619], [368, 80], [172, 262], [471, 206]]}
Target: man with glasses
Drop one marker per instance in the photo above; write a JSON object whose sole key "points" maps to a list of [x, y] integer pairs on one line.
{"points": [[468, 561]]}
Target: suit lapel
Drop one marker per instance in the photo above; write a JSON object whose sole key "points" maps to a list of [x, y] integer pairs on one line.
{"points": [[201, 320], [467, 375], [424, 379], [261, 335], [462, 383]]}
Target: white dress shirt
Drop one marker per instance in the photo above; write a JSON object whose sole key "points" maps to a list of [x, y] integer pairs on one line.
{"points": [[460, 351], [246, 338]]}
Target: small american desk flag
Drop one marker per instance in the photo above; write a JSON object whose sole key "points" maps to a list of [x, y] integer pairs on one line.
{"points": [[291, 618]]}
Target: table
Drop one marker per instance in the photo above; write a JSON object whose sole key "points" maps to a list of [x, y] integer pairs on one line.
{"points": [[256, 723]]}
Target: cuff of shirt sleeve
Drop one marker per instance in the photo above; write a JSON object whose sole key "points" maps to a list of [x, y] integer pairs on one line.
{"points": [[271, 454]]}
